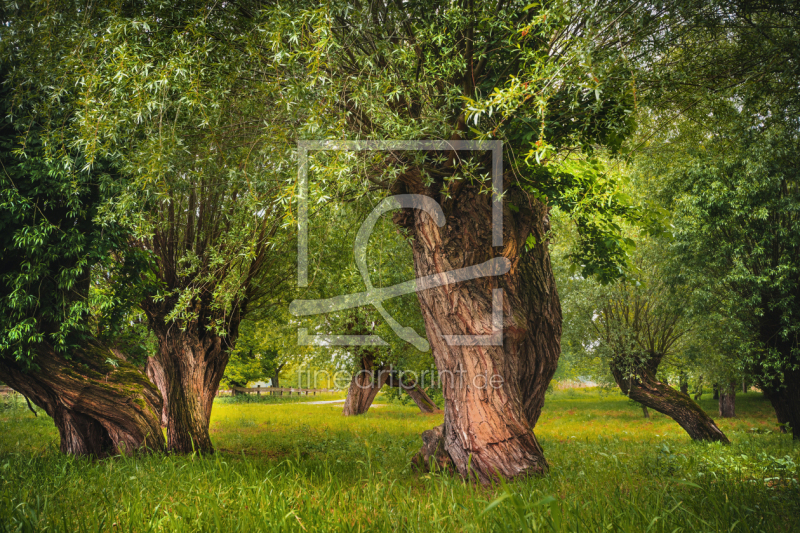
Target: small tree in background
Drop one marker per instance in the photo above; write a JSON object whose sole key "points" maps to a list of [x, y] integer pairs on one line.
{"points": [[635, 326]]}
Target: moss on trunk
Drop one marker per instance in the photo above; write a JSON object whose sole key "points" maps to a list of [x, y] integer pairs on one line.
{"points": [[99, 408]]}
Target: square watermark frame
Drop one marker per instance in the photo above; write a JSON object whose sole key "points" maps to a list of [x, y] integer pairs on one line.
{"points": [[495, 147]]}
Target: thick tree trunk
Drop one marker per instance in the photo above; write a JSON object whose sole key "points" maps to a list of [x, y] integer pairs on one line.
{"points": [[785, 399], [715, 391], [193, 363], [365, 385], [684, 383], [99, 409], [727, 401], [493, 393], [783, 392], [640, 385]]}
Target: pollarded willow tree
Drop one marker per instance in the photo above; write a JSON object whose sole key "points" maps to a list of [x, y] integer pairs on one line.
{"points": [[549, 82], [171, 96], [636, 327], [67, 286], [213, 157]]}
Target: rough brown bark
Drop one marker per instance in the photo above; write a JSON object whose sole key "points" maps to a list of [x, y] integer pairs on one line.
{"points": [[488, 428], [192, 360], [365, 385], [155, 372], [727, 401], [193, 367], [640, 385], [99, 409]]}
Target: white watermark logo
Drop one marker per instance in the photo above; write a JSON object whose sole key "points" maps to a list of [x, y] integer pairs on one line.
{"points": [[376, 296], [404, 379]]}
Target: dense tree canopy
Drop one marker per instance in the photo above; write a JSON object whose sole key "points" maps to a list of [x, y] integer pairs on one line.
{"points": [[720, 154], [736, 209], [68, 284]]}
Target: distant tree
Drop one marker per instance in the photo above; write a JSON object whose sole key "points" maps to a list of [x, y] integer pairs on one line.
{"points": [[736, 199], [717, 349], [387, 261], [246, 366], [635, 326], [262, 350]]}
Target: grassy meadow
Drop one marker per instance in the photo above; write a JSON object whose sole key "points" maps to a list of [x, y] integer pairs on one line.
{"points": [[286, 466]]}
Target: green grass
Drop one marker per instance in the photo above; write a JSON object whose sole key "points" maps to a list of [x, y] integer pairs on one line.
{"points": [[285, 466]]}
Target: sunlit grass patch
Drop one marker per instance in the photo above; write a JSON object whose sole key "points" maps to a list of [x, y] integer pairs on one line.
{"points": [[294, 467]]}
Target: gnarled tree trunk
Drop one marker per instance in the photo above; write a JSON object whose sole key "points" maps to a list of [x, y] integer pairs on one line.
{"points": [[99, 409], [727, 401], [365, 385], [188, 368], [192, 361], [640, 385], [493, 393]]}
